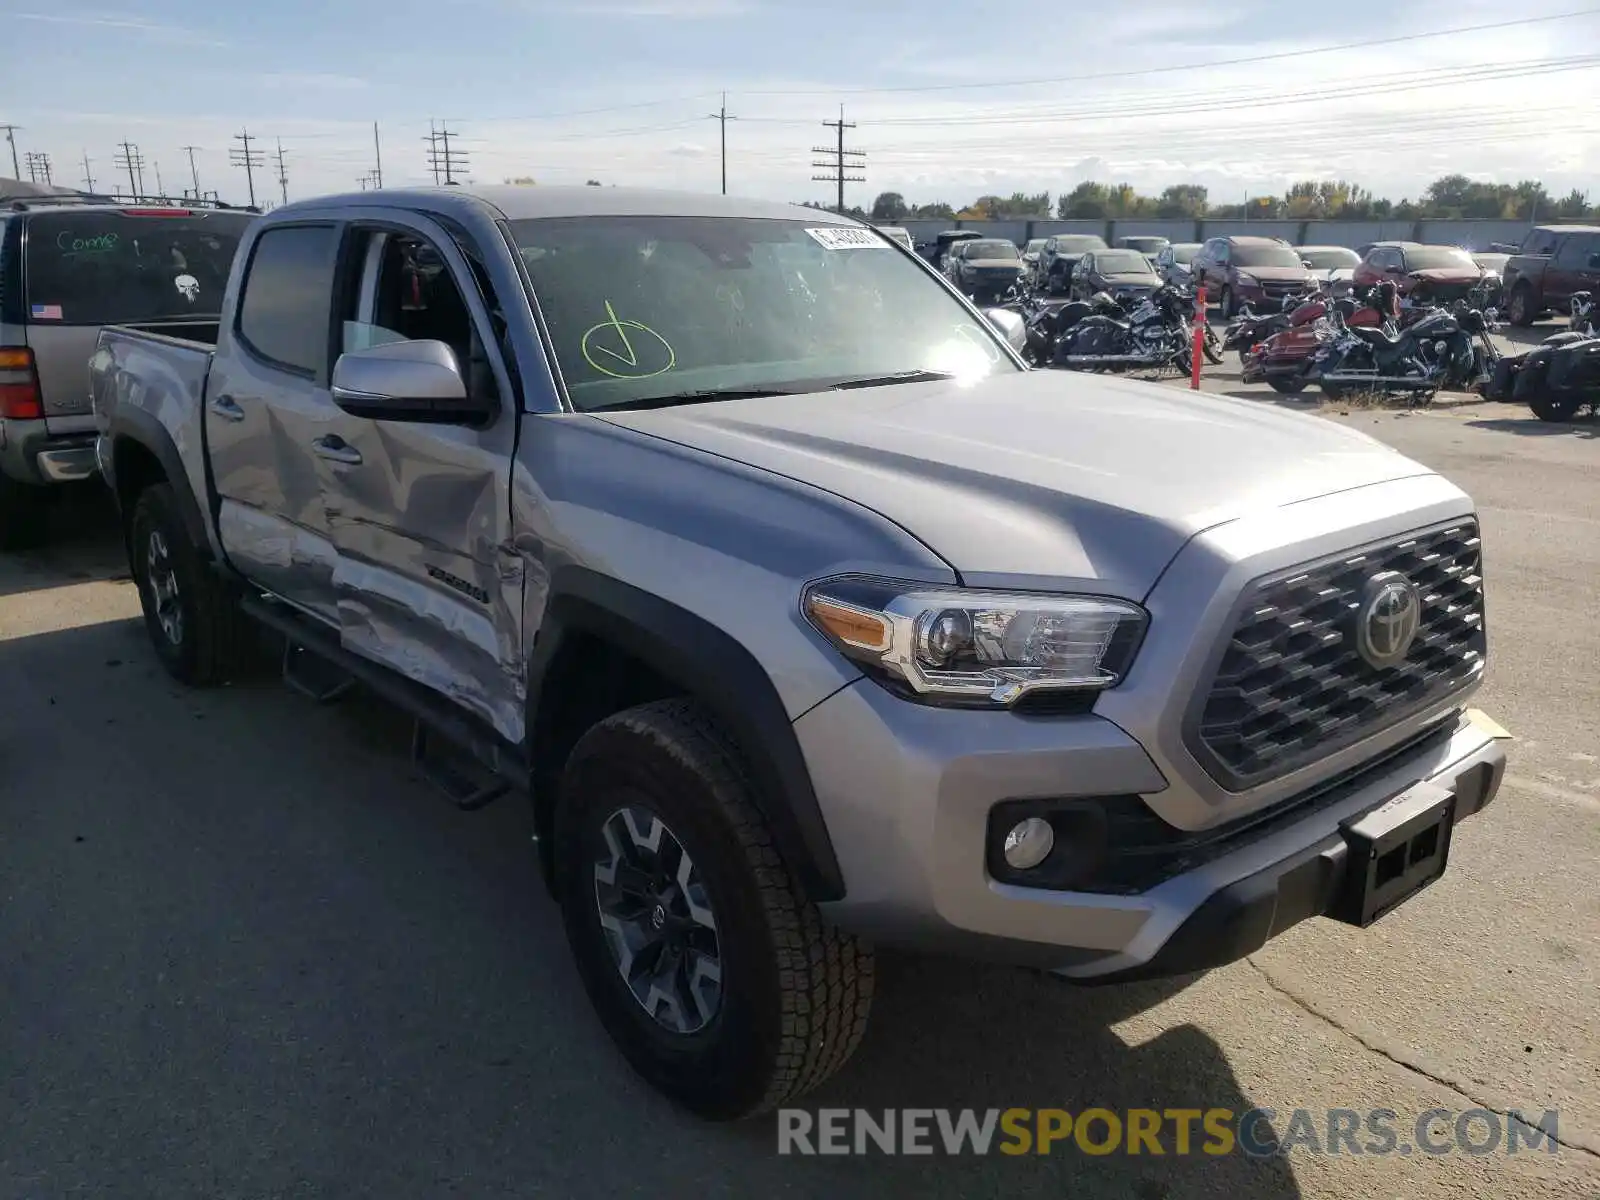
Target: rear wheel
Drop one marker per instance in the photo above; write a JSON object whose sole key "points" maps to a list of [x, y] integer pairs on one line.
{"points": [[1549, 406], [1521, 311], [1288, 385], [704, 959], [195, 624], [1225, 304], [22, 513]]}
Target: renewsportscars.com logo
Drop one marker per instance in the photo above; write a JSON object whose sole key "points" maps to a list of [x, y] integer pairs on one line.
{"points": [[1256, 1132]]}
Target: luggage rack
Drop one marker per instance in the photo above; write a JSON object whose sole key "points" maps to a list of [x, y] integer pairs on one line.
{"points": [[122, 200]]}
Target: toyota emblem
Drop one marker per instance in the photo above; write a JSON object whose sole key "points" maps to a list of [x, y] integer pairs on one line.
{"points": [[1388, 619]]}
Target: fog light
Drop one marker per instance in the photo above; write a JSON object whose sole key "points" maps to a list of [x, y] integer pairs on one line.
{"points": [[1029, 843]]}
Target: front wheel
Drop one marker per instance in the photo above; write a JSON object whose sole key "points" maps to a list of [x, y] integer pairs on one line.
{"points": [[707, 964], [1225, 304], [195, 624], [1287, 385], [1521, 311], [1213, 347]]}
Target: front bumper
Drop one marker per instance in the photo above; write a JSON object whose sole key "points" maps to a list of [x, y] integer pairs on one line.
{"points": [[30, 453], [907, 789]]}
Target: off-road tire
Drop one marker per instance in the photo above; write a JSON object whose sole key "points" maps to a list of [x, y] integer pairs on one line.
{"points": [[216, 638], [22, 512], [795, 992]]}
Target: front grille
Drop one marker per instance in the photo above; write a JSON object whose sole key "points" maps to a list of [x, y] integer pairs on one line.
{"points": [[1291, 686]]}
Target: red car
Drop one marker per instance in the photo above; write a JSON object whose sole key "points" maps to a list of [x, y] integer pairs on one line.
{"points": [[1434, 274]]}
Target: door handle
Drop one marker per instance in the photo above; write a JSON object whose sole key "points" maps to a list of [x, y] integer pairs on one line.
{"points": [[335, 449], [227, 408]]}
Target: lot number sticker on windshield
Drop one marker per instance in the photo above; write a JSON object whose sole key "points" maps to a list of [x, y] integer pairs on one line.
{"points": [[842, 237]]}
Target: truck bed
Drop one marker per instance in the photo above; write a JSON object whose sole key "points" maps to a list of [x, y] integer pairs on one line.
{"points": [[155, 373]]}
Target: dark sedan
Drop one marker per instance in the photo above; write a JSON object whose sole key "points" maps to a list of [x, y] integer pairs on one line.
{"points": [[1125, 274]]}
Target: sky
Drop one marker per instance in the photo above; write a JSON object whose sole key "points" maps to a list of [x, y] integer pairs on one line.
{"points": [[950, 100]]}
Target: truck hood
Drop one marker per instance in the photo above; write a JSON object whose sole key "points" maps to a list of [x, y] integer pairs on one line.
{"points": [[1449, 275], [1040, 478], [1277, 274]]}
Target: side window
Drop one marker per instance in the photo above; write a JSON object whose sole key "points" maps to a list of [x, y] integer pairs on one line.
{"points": [[285, 307], [408, 294], [1541, 243]]}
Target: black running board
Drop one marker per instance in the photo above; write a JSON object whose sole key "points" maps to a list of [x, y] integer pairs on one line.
{"points": [[483, 767]]}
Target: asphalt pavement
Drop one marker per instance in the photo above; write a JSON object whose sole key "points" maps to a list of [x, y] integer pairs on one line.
{"points": [[245, 953]]}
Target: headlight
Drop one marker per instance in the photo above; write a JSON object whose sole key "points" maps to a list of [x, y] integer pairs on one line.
{"points": [[946, 645], [1246, 280]]}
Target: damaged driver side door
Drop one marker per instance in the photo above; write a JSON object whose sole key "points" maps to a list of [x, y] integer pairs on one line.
{"points": [[419, 510]]}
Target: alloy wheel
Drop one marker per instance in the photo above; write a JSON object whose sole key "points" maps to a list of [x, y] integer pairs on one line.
{"points": [[657, 919], [162, 578]]}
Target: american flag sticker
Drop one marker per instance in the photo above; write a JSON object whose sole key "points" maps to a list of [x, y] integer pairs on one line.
{"points": [[47, 312]]}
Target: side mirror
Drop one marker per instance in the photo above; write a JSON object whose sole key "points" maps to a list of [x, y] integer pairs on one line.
{"points": [[1009, 325], [405, 381], [1306, 263]]}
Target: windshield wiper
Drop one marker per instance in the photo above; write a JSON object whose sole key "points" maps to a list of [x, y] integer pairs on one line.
{"points": [[703, 396], [895, 377]]}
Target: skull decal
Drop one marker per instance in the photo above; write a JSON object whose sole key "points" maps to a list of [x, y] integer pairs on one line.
{"points": [[189, 286]]}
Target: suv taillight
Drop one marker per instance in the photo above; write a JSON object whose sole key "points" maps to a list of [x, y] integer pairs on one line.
{"points": [[19, 385]]}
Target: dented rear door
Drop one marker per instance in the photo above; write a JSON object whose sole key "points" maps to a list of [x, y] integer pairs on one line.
{"points": [[419, 513]]}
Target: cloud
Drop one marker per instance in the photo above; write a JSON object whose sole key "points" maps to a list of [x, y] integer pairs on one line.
{"points": [[122, 23], [689, 150], [688, 10], [309, 79]]}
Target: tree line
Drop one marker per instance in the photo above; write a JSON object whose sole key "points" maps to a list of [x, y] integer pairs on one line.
{"points": [[1451, 197]]}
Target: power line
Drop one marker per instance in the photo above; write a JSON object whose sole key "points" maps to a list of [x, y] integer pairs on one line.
{"points": [[441, 158], [248, 159], [194, 172], [11, 137], [283, 173], [1167, 69], [839, 171], [722, 118], [131, 161]]}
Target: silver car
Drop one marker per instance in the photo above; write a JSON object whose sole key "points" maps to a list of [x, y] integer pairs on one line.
{"points": [[66, 270]]}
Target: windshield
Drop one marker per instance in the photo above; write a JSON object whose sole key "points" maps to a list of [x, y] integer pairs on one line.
{"points": [[645, 308], [1122, 262], [1330, 258], [110, 268], [1265, 256], [1081, 244], [990, 249], [1439, 258], [1036, 245], [1183, 252], [1145, 245]]}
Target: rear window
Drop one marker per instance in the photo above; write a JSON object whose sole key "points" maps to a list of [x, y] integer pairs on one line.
{"points": [[110, 268], [1122, 262]]}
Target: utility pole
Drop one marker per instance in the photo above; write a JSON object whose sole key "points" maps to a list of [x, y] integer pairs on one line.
{"points": [[39, 167], [130, 160], [377, 156], [248, 159], [722, 118], [194, 172], [844, 161], [283, 173], [88, 175], [433, 151], [11, 137], [161, 188]]}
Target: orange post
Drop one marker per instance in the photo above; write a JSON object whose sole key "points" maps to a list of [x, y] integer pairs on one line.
{"points": [[1199, 350]]}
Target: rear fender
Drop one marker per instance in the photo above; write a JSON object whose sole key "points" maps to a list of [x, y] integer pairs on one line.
{"points": [[143, 453]]}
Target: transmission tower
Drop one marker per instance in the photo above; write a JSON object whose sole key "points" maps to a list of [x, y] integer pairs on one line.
{"points": [[39, 167], [441, 158], [250, 160], [131, 161], [843, 162]]}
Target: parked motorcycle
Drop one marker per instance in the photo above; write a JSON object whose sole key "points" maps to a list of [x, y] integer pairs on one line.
{"points": [[1556, 380], [1441, 350], [1584, 318], [1157, 333], [1284, 359], [1251, 325]]}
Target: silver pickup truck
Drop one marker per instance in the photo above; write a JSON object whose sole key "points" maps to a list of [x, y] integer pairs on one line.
{"points": [[809, 618]]}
